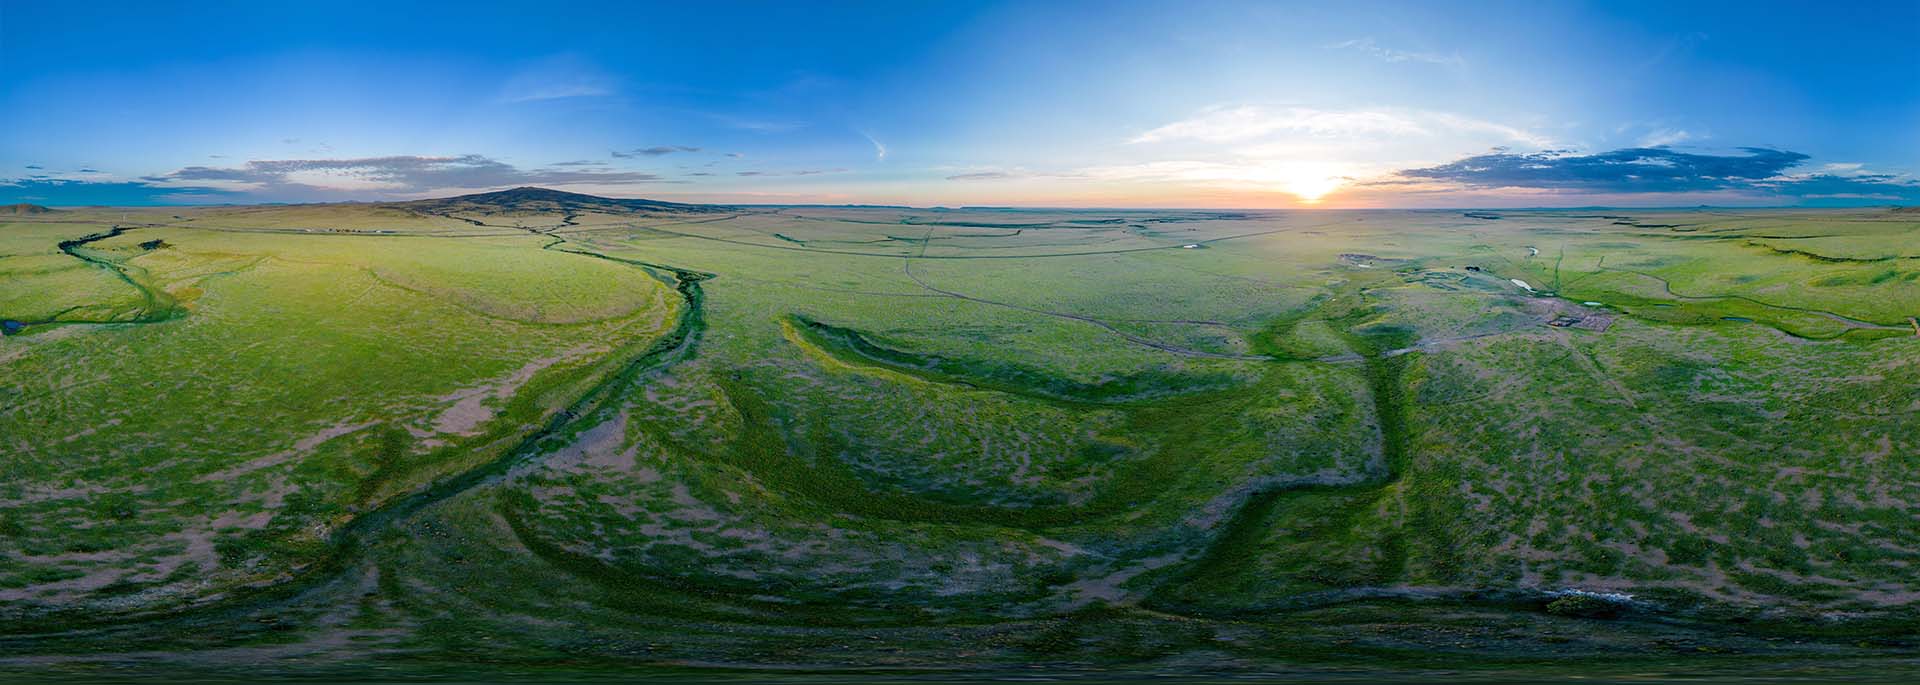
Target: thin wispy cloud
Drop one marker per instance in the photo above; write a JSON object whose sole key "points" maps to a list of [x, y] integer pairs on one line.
{"points": [[655, 151], [982, 176], [1241, 123], [556, 91], [554, 78], [879, 149], [1369, 47], [1305, 151], [759, 125], [800, 172], [1664, 137]]}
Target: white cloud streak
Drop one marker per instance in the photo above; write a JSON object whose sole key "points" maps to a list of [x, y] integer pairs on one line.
{"points": [[1244, 123], [554, 78], [1368, 46], [879, 150]]}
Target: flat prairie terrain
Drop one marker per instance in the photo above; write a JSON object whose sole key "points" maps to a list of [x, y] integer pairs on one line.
{"points": [[536, 430]]}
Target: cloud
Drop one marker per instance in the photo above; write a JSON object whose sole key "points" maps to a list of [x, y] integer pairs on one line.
{"points": [[554, 78], [1245, 123], [328, 179], [981, 176], [1757, 171], [580, 162], [1248, 174], [655, 151], [1664, 137], [1306, 151], [556, 91], [1640, 169], [879, 150], [35, 166], [1367, 46], [758, 125], [1881, 188], [407, 173], [802, 172]]}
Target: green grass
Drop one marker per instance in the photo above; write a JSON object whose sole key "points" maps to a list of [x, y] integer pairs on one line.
{"points": [[447, 436]]}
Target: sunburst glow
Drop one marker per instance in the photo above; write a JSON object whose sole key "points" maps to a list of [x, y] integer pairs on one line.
{"points": [[1311, 185]]}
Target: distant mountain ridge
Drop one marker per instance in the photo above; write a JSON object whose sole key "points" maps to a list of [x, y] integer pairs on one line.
{"points": [[535, 199], [24, 208]]}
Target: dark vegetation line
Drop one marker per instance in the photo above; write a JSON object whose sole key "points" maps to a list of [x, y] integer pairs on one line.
{"points": [[819, 479], [1556, 266], [350, 542], [1829, 259], [157, 305], [1668, 287], [907, 268], [1384, 353], [1384, 368], [811, 473], [1850, 323], [923, 255], [1136, 389]]}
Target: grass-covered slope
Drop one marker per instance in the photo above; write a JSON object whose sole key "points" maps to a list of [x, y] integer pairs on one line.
{"points": [[537, 428]]}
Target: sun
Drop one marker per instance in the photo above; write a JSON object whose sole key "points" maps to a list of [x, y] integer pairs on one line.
{"points": [[1309, 181], [1310, 190]]}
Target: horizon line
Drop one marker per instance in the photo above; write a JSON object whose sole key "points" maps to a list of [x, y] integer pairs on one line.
{"points": [[880, 205]]}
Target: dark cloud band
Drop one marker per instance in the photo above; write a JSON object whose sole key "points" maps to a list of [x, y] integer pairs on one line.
{"points": [[1760, 171]]}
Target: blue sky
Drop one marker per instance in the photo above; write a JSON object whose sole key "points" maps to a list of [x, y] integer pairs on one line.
{"points": [[1189, 104]]}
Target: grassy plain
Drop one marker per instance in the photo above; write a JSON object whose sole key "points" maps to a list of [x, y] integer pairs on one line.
{"points": [[546, 431]]}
